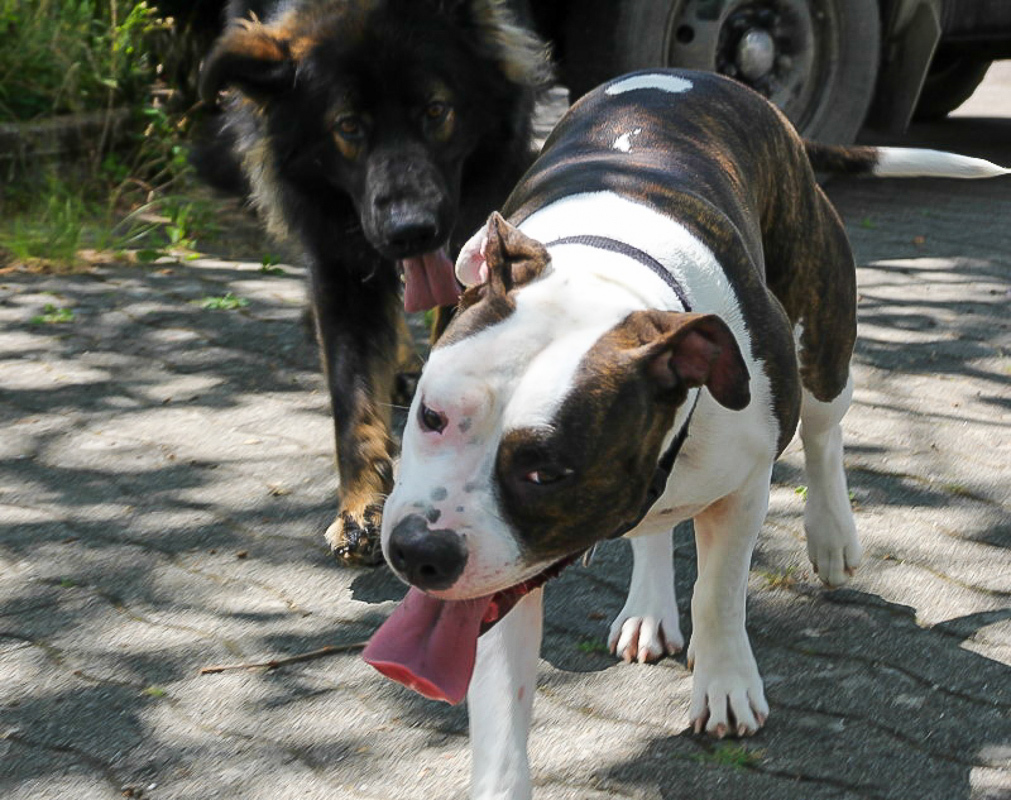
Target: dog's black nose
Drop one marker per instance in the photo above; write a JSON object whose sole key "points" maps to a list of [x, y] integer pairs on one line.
{"points": [[413, 233], [429, 559]]}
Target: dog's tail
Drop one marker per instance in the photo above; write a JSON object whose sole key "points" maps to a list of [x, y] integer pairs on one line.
{"points": [[898, 162]]}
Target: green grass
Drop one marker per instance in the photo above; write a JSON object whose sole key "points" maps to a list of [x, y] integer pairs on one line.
{"points": [[52, 315], [226, 302], [596, 646], [68, 56], [72, 56], [730, 754], [781, 579], [51, 226], [54, 226]]}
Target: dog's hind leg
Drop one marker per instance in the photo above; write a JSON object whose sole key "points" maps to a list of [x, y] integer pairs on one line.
{"points": [[500, 701], [832, 543], [647, 627], [822, 307]]}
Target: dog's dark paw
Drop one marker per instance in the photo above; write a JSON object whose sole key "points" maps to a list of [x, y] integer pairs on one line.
{"points": [[355, 539]]}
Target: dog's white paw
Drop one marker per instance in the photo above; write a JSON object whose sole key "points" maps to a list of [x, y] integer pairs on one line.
{"points": [[646, 638], [832, 543], [727, 692]]}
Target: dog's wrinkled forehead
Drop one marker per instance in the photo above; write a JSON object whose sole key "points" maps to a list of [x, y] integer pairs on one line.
{"points": [[522, 348], [522, 357]]}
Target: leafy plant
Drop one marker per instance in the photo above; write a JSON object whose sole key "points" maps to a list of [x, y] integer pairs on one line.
{"points": [[63, 56], [73, 56], [782, 579], [54, 231], [268, 265], [592, 646], [729, 754], [52, 315], [227, 302]]}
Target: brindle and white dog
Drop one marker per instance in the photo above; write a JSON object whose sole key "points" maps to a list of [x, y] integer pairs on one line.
{"points": [[672, 291]]}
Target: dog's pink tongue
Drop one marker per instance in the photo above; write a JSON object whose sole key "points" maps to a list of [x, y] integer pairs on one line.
{"points": [[429, 281], [429, 645]]}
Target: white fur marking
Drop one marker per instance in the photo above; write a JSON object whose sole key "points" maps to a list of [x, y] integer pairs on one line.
{"points": [[624, 142], [665, 83], [911, 162], [832, 543], [609, 214]]}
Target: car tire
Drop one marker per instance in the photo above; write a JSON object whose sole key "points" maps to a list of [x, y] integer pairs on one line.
{"points": [[950, 82], [816, 59]]}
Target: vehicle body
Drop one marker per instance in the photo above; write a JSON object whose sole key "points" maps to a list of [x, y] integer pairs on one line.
{"points": [[831, 65]]}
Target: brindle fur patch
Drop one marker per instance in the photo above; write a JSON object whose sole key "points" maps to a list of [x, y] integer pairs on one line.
{"points": [[841, 160], [608, 432]]}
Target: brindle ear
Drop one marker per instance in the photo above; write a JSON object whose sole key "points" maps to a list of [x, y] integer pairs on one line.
{"points": [[692, 350], [500, 255], [251, 57]]}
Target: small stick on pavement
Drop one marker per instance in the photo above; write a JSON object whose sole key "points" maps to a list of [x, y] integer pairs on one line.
{"points": [[329, 650]]}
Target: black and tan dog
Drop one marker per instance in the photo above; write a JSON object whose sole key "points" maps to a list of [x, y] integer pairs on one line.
{"points": [[668, 294], [374, 132]]}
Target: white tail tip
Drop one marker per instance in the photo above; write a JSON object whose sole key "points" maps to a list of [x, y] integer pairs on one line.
{"points": [[911, 162]]}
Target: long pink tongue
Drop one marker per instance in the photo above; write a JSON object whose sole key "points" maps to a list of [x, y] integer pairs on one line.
{"points": [[429, 645], [429, 281]]}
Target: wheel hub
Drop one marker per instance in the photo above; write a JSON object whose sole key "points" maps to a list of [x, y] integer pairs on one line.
{"points": [[766, 45], [756, 54], [770, 45]]}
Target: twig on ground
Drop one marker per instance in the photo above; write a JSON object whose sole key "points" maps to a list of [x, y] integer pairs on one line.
{"points": [[274, 663]]}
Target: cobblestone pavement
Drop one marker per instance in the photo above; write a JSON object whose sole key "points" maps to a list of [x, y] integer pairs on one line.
{"points": [[166, 474]]}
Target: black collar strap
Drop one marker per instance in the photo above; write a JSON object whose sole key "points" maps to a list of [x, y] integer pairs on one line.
{"points": [[658, 484], [625, 249]]}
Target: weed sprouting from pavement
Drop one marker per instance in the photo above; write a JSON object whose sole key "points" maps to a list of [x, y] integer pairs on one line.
{"points": [[596, 646], [781, 579], [51, 315], [226, 302], [730, 754]]}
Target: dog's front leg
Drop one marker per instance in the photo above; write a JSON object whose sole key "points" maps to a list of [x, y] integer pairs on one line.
{"points": [[500, 702], [727, 692], [357, 329]]}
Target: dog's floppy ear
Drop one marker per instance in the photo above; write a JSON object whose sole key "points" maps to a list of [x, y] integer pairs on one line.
{"points": [[691, 350], [252, 57], [500, 255]]}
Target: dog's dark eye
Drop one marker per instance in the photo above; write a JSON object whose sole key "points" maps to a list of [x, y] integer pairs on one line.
{"points": [[547, 475], [436, 110], [431, 420], [350, 127]]}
